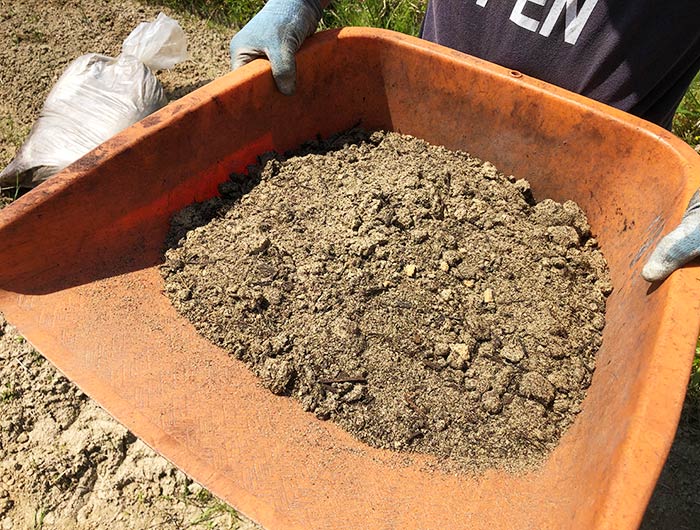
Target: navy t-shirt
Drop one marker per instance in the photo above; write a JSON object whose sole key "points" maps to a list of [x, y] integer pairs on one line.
{"points": [[637, 55]]}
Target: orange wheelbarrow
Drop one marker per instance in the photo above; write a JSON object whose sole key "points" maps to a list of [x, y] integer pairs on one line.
{"points": [[79, 278]]}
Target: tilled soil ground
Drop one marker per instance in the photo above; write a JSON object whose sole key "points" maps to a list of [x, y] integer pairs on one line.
{"points": [[412, 294], [39, 39], [128, 485], [64, 462]]}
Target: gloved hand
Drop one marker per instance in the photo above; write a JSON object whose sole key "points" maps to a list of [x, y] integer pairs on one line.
{"points": [[677, 248], [277, 32]]}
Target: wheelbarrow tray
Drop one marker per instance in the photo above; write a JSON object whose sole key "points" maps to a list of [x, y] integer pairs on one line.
{"points": [[79, 278]]}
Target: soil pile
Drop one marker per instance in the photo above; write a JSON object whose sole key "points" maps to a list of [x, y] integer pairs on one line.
{"points": [[412, 294]]}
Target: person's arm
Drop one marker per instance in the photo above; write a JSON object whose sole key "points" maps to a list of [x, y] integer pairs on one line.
{"points": [[678, 247], [277, 32]]}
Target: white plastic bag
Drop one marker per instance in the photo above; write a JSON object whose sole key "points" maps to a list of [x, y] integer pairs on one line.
{"points": [[95, 98]]}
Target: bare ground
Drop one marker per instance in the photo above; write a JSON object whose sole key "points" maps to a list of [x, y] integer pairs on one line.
{"points": [[64, 462]]}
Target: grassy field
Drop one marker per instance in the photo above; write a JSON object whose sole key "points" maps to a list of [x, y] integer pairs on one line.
{"points": [[400, 15], [694, 385], [687, 121]]}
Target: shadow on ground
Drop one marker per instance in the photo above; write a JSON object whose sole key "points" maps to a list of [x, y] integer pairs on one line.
{"points": [[675, 504]]}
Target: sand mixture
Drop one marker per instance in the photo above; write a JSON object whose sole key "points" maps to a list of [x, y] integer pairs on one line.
{"points": [[412, 294]]}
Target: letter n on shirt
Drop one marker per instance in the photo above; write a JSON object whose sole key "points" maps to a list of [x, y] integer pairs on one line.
{"points": [[575, 19]]}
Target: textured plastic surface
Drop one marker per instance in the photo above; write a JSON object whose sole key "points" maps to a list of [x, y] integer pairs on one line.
{"points": [[78, 276]]}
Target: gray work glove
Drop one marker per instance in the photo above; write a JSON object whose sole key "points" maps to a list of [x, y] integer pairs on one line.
{"points": [[277, 32], [677, 248]]}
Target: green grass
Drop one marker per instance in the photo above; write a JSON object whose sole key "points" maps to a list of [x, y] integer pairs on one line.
{"points": [[400, 15], [694, 384], [210, 516], [686, 123], [39, 516], [8, 394], [404, 16], [225, 12], [14, 134]]}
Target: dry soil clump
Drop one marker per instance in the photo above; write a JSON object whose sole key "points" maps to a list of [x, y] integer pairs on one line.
{"points": [[412, 294]]}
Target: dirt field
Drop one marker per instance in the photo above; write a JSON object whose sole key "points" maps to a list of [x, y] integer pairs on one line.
{"points": [[64, 463]]}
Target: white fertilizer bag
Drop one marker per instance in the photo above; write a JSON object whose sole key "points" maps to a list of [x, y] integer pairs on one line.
{"points": [[95, 98]]}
